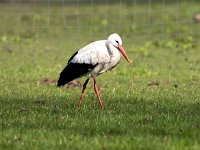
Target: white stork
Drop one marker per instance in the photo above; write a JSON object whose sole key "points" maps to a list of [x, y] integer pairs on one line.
{"points": [[93, 60]]}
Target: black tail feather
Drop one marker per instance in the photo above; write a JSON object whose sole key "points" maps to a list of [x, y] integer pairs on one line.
{"points": [[73, 71]]}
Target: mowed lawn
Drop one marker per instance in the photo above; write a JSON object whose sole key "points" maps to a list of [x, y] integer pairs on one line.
{"points": [[151, 103]]}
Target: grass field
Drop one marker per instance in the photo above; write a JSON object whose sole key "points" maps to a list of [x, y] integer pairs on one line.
{"points": [[152, 103]]}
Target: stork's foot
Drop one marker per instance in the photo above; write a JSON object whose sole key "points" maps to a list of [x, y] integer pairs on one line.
{"points": [[82, 93], [97, 93]]}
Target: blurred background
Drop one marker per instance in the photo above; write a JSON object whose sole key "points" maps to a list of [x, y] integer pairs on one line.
{"points": [[68, 20]]}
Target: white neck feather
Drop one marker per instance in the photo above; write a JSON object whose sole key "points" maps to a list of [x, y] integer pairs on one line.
{"points": [[113, 51]]}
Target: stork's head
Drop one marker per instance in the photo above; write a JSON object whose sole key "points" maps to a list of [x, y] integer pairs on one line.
{"points": [[116, 41]]}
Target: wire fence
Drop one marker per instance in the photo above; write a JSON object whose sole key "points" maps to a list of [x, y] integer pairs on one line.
{"points": [[133, 18]]}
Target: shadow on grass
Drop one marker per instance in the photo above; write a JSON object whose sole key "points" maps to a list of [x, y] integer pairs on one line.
{"points": [[134, 117]]}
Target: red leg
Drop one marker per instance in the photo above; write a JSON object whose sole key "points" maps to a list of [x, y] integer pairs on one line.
{"points": [[97, 93], [82, 94]]}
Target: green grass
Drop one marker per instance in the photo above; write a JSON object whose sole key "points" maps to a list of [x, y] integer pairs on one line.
{"points": [[152, 103]]}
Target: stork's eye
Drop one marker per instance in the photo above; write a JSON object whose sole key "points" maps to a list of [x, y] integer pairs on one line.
{"points": [[117, 41]]}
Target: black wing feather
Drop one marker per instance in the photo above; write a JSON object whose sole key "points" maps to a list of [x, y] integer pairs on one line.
{"points": [[72, 57], [73, 71]]}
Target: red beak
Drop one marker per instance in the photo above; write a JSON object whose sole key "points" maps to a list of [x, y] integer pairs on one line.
{"points": [[121, 49]]}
